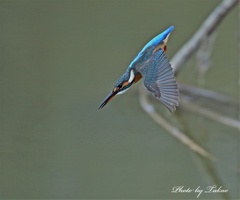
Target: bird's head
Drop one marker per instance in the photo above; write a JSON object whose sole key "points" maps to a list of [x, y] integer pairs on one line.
{"points": [[121, 86]]}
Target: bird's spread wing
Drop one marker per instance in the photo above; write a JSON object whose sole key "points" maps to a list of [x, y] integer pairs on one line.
{"points": [[159, 79]]}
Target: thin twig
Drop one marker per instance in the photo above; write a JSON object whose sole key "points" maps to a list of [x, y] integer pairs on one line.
{"points": [[208, 113], [206, 29], [206, 93], [171, 129], [204, 57]]}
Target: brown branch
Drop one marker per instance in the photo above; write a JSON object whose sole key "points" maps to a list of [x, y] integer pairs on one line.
{"points": [[206, 28]]}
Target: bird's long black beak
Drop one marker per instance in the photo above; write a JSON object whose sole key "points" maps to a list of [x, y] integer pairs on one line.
{"points": [[107, 99]]}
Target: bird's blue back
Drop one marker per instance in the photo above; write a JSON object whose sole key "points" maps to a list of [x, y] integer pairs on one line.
{"points": [[155, 41], [146, 52]]}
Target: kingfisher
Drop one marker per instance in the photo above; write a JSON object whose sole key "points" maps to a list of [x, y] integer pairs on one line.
{"points": [[152, 65]]}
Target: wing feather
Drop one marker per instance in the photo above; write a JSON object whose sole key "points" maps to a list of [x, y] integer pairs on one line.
{"points": [[159, 79]]}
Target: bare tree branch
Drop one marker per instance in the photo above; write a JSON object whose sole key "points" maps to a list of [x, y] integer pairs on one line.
{"points": [[208, 113], [206, 29], [206, 93], [171, 129], [208, 26], [204, 57]]}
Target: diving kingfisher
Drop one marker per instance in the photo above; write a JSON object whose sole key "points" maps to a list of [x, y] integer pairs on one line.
{"points": [[152, 65]]}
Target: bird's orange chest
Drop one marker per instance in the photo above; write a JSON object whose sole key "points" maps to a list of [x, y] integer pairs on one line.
{"points": [[137, 77]]}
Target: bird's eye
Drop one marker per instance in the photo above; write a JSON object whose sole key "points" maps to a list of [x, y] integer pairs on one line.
{"points": [[119, 86]]}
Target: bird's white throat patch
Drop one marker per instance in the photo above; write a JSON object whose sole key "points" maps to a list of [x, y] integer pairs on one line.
{"points": [[123, 91], [129, 80], [131, 76]]}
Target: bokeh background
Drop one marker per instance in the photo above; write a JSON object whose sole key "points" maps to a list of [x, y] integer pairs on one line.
{"points": [[59, 60]]}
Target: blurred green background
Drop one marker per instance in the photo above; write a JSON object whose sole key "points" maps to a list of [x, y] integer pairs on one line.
{"points": [[59, 60]]}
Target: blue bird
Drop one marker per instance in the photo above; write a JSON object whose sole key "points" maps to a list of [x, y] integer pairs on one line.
{"points": [[152, 65]]}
